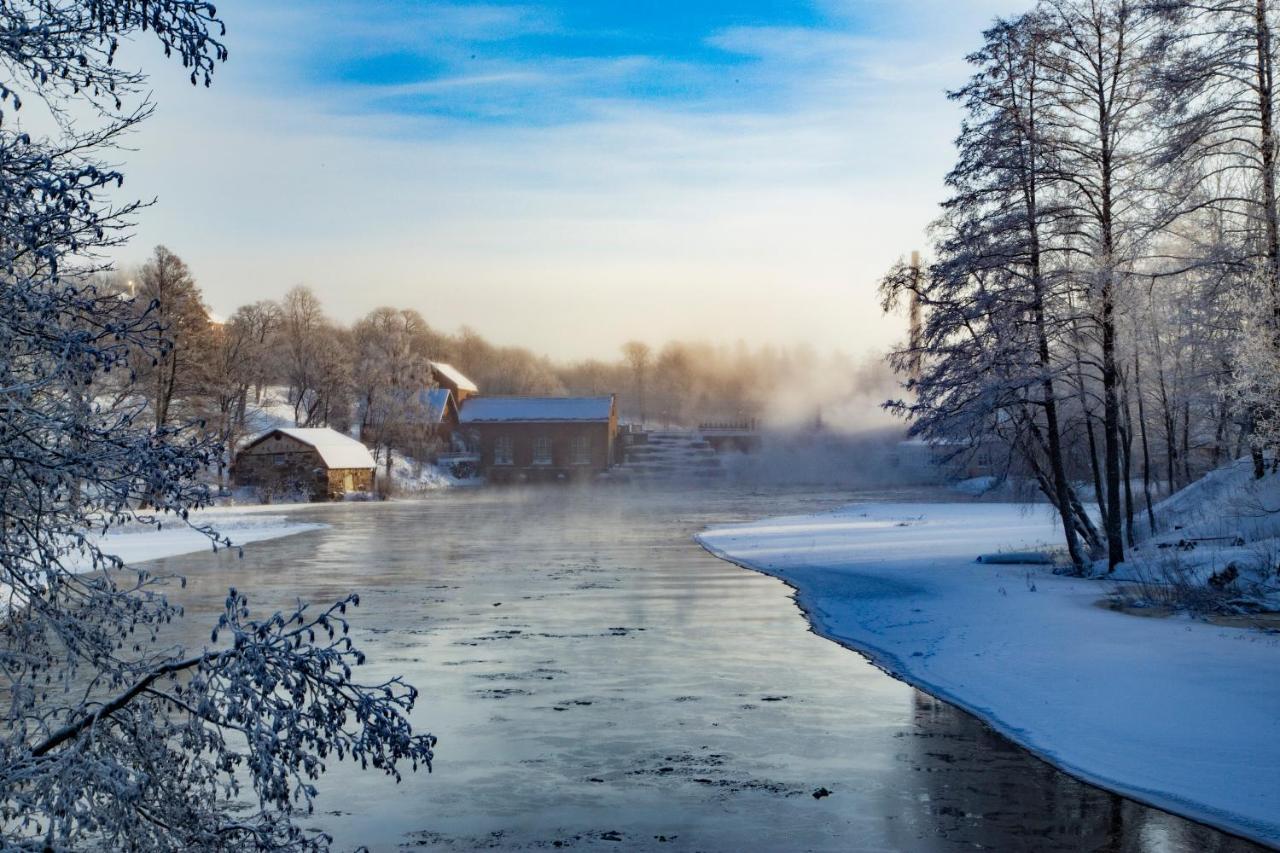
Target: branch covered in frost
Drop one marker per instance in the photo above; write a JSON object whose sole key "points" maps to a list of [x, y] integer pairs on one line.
{"points": [[277, 703], [109, 738]]}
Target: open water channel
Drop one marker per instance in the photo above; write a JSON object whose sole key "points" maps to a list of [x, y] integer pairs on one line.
{"points": [[597, 681]]}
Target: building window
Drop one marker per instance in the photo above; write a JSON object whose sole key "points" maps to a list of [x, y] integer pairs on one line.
{"points": [[504, 451], [279, 460], [582, 450], [542, 450]]}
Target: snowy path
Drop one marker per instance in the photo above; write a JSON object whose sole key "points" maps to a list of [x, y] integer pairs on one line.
{"points": [[1180, 714]]}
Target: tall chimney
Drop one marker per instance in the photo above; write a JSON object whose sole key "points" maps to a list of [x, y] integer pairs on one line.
{"points": [[915, 328]]}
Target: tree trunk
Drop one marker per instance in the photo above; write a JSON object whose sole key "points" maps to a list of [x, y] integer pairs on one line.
{"points": [[1084, 524], [167, 381], [1094, 466], [1146, 448], [1267, 143], [1186, 442], [1048, 392], [1127, 447], [1111, 425], [1166, 417]]}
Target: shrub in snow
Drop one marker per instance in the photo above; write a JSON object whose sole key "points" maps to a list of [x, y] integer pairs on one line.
{"points": [[1225, 578]]}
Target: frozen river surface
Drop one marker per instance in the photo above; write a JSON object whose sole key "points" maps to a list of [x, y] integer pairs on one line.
{"points": [[597, 681]]}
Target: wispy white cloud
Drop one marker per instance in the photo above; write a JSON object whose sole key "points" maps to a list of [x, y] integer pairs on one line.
{"points": [[763, 207]]}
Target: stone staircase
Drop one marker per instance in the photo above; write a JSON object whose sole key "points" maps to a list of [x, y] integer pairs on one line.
{"points": [[671, 455]]}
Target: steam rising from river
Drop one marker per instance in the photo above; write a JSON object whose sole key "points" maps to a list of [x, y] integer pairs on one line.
{"points": [[828, 427], [838, 395]]}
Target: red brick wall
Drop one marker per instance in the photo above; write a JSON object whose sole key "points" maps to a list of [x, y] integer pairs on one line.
{"points": [[600, 434]]}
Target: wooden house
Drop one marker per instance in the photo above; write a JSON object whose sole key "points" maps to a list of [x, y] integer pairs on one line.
{"points": [[541, 438], [441, 409], [437, 411], [321, 463], [420, 417], [447, 376]]}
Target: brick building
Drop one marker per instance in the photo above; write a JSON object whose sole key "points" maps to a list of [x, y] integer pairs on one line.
{"points": [[541, 438]]}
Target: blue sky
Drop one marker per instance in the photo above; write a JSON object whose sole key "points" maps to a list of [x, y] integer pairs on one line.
{"points": [[547, 63], [561, 174]]}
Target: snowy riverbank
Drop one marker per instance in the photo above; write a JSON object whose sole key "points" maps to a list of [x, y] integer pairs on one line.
{"points": [[1181, 714], [241, 524]]}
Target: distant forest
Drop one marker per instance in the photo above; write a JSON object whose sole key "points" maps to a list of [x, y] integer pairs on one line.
{"points": [[358, 374]]}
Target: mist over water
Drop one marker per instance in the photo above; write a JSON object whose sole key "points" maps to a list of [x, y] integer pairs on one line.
{"points": [[827, 426], [598, 681], [872, 458], [842, 395]]}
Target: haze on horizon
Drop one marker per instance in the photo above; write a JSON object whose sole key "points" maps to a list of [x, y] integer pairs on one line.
{"points": [[565, 175]]}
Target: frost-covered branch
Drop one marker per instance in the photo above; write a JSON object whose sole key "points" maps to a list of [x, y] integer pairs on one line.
{"points": [[109, 738]]}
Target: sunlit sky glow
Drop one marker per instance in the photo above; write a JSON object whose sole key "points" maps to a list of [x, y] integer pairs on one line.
{"points": [[564, 175]]}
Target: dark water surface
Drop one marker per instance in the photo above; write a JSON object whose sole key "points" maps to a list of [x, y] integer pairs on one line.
{"points": [[597, 681]]}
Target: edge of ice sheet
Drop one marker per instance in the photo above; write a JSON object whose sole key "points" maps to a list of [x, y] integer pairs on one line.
{"points": [[897, 662]]}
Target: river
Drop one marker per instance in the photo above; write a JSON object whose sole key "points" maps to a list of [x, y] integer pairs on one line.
{"points": [[598, 681]]}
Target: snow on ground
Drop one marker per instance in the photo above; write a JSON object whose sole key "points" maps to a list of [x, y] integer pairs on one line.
{"points": [[242, 525], [1226, 501], [411, 477], [1181, 714], [1227, 521], [271, 412]]}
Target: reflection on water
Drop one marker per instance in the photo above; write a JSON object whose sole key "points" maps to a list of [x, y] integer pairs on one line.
{"points": [[596, 680], [982, 789]]}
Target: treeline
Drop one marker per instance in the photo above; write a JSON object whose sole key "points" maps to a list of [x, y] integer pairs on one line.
{"points": [[1103, 300], [366, 377]]}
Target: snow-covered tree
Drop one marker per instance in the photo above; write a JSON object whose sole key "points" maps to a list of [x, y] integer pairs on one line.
{"points": [[239, 363], [315, 360], [1100, 57], [392, 367], [1107, 229], [179, 369], [639, 358], [109, 739], [1220, 81], [1255, 379], [986, 360]]}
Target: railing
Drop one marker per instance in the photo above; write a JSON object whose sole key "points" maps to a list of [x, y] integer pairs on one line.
{"points": [[749, 425]]}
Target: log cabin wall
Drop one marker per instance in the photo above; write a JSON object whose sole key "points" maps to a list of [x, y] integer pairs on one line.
{"points": [[280, 465]]}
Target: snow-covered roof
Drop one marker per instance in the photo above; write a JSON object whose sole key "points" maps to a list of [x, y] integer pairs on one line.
{"points": [[454, 375], [436, 402], [335, 449], [478, 410]]}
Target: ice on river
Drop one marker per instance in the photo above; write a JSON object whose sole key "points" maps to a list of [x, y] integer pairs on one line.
{"points": [[137, 543], [1178, 713]]}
